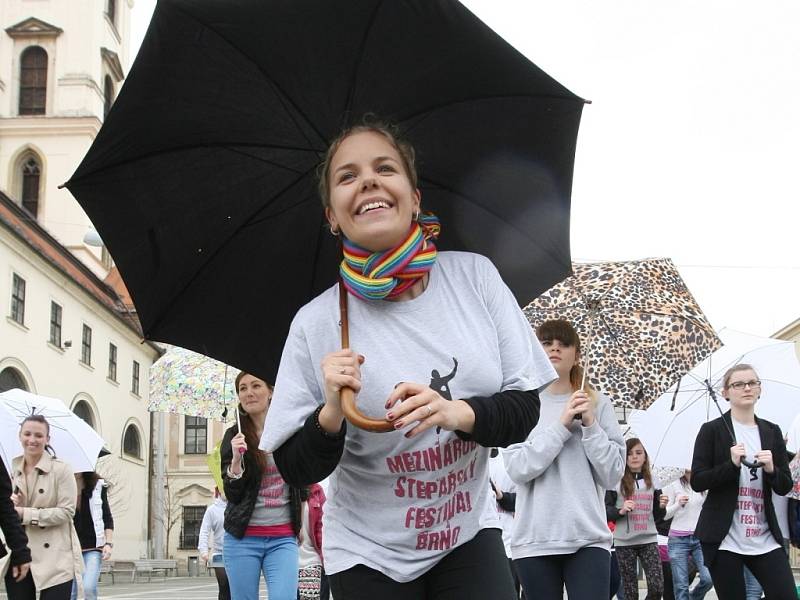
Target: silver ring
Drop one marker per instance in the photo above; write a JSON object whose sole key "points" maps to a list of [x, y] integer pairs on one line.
{"points": [[430, 410]]}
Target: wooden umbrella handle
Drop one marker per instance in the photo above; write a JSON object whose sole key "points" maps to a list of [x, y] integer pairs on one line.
{"points": [[347, 395]]}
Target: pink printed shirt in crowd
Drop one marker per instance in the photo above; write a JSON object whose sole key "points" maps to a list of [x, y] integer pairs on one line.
{"points": [[271, 515]]}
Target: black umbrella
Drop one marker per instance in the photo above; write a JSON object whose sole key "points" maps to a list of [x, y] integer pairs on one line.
{"points": [[201, 181]]}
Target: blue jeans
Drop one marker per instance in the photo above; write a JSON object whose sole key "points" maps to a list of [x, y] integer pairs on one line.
{"points": [[680, 549], [91, 573], [752, 589], [245, 559]]}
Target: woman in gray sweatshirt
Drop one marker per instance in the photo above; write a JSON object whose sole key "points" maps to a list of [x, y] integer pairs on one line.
{"points": [[574, 453]]}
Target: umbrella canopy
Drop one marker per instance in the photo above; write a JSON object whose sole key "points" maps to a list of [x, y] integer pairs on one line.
{"points": [[202, 180], [73, 440], [191, 384], [640, 327], [669, 427]]}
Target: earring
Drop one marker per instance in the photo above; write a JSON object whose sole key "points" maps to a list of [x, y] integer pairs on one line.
{"points": [[335, 232], [416, 215]]}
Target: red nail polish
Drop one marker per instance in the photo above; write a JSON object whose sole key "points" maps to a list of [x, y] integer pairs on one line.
{"points": [[398, 425], [390, 416]]}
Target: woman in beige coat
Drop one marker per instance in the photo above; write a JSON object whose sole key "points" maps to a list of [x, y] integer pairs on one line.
{"points": [[44, 496]]}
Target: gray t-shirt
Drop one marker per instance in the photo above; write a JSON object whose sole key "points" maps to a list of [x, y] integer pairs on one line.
{"points": [[398, 505]]}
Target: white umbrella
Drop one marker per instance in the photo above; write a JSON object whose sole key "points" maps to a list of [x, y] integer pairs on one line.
{"points": [[668, 428], [70, 436]]}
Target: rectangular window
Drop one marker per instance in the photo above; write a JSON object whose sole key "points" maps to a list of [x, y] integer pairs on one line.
{"points": [[190, 528], [86, 345], [55, 324], [135, 378], [195, 433], [18, 299], [112, 362]]}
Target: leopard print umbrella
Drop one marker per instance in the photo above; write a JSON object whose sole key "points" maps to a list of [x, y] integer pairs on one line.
{"points": [[640, 327]]}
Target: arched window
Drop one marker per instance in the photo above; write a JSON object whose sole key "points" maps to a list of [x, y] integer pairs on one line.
{"points": [[84, 411], [108, 95], [10, 378], [30, 176], [131, 442], [33, 81]]}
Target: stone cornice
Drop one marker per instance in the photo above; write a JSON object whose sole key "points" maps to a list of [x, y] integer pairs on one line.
{"points": [[33, 27], [89, 125]]}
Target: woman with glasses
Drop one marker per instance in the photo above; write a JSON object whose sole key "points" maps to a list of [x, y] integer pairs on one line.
{"points": [[740, 459]]}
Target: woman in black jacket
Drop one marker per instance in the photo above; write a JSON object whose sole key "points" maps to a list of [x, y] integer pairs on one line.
{"points": [[262, 518], [740, 459]]}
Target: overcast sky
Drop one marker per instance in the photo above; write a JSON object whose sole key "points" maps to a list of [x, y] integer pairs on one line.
{"points": [[690, 147]]}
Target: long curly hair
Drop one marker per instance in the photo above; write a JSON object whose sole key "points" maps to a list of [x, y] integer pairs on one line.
{"points": [[628, 485]]}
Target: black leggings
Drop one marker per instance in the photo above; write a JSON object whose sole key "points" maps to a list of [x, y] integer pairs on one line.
{"points": [[476, 570], [771, 569], [222, 582], [26, 589], [653, 572], [586, 574]]}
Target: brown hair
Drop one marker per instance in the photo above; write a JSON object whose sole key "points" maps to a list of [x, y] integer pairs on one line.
{"points": [[734, 369], [249, 428], [369, 123], [36, 419], [40, 419], [564, 332], [628, 484]]}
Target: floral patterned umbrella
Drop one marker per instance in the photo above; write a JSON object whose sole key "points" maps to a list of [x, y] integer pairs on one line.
{"points": [[192, 384], [640, 327]]}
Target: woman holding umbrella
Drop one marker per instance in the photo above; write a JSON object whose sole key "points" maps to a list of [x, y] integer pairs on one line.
{"points": [[737, 526], [45, 495], [576, 451], [262, 518], [409, 513]]}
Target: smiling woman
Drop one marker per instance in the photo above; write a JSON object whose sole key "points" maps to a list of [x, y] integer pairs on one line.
{"points": [[262, 519], [443, 325], [44, 495]]}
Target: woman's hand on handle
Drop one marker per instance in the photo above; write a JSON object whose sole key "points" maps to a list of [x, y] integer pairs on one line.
{"points": [[238, 447], [765, 457], [578, 405], [737, 454], [339, 369], [416, 402], [627, 507]]}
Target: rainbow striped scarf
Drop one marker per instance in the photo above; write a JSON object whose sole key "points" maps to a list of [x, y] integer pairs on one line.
{"points": [[378, 275]]}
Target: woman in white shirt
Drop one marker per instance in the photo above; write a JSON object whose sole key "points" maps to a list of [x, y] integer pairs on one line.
{"points": [[684, 509]]}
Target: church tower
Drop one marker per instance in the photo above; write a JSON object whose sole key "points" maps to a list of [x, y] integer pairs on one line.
{"points": [[62, 63]]}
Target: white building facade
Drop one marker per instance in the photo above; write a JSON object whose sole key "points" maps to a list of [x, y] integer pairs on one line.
{"points": [[61, 65], [66, 326], [64, 333]]}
